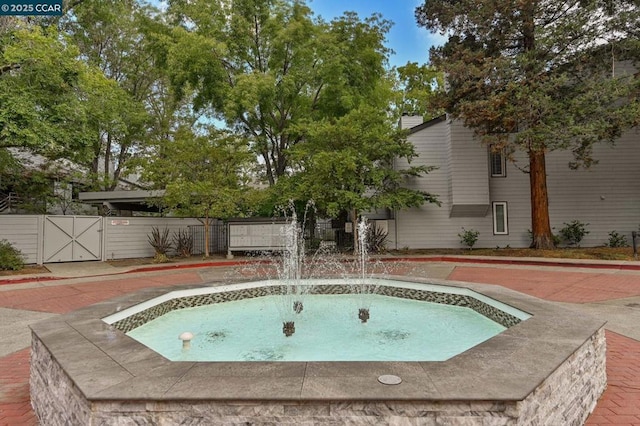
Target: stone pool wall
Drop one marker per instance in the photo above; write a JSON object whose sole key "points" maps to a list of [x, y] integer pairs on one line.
{"points": [[565, 397], [571, 392], [55, 399]]}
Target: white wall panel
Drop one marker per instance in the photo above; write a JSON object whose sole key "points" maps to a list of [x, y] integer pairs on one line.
{"points": [[24, 232]]}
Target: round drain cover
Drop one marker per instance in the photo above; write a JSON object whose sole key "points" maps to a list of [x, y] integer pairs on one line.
{"points": [[389, 379]]}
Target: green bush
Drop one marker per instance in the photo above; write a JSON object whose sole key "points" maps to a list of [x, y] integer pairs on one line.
{"points": [[11, 258], [376, 240], [160, 242], [183, 241], [469, 237], [574, 232], [555, 237], [617, 240]]}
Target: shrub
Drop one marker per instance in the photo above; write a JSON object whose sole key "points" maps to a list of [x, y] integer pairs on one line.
{"points": [[574, 232], [617, 240], [11, 258], [469, 237], [376, 240], [183, 242], [555, 237], [160, 242]]}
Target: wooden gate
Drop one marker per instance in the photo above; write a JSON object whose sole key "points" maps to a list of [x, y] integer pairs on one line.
{"points": [[72, 238]]}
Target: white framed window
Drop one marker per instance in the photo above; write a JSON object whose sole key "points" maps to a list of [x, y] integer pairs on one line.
{"points": [[497, 163], [500, 223]]}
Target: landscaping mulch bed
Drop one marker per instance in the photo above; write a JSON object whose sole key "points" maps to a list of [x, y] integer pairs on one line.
{"points": [[595, 253], [27, 270]]}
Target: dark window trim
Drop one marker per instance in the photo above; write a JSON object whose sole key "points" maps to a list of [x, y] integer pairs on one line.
{"points": [[503, 163]]}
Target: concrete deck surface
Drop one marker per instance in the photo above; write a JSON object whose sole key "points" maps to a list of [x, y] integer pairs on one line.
{"points": [[606, 290]]}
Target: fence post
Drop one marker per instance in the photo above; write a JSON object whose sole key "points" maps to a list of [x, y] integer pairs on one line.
{"points": [[634, 236], [40, 239]]}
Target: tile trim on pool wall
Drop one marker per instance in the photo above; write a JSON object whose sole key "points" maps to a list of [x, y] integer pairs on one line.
{"points": [[140, 318]]}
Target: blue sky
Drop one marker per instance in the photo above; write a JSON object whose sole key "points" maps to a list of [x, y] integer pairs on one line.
{"points": [[410, 42]]}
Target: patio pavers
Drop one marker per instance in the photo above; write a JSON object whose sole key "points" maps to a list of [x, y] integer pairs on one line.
{"points": [[556, 285], [619, 405], [66, 298], [15, 405]]}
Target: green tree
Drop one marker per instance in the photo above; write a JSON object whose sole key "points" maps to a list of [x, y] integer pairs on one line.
{"points": [[267, 67], [40, 79], [9, 167], [203, 174], [33, 186], [57, 102], [47, 189], [115, 122], [416, 85], [348, 165], [111, 36], [537, 76]]}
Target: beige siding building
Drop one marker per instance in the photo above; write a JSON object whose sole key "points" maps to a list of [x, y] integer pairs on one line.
{"points": [[481, 191]]}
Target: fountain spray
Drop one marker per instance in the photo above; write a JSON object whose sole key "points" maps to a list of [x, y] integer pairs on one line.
{"points": [[291, 269]]}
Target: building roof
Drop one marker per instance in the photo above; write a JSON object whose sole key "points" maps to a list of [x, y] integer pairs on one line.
{"points": [[135, 200], [426, 124]]}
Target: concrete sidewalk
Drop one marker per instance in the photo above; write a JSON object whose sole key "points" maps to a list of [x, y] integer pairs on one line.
{"points": [[607, 290], [82, 269]]}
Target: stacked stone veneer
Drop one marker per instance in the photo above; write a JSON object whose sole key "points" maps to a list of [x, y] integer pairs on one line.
{"points": [[571, 392], [140, 318], [566, 397], [55, 399]]}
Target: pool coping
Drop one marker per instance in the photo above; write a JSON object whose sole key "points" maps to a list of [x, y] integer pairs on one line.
{"points": [[107, 365]]}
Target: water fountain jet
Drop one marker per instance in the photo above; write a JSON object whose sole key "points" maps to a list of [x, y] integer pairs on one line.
{"points": [[364, 285], [291, 267]]}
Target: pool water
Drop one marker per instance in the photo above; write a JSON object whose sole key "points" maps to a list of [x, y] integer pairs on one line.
{"points": [[328, 329]]}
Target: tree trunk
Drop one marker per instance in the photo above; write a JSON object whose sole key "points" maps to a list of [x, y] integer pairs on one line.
{"points": [[107, 164], [542, 238], [268, 168]]}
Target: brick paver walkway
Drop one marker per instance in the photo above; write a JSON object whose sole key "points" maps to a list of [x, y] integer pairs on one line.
{"points": [[559, 286], [619, 405], [15, 405], [61, 299]]}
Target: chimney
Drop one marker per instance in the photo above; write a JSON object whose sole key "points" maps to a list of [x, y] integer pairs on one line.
{"points": [[409, 121]]}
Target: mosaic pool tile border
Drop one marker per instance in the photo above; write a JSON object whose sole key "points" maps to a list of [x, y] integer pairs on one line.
{"points": [[136, 320]]}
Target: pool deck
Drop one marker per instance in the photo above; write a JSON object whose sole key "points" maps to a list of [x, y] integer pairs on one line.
{"points": [[609, 291]]}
